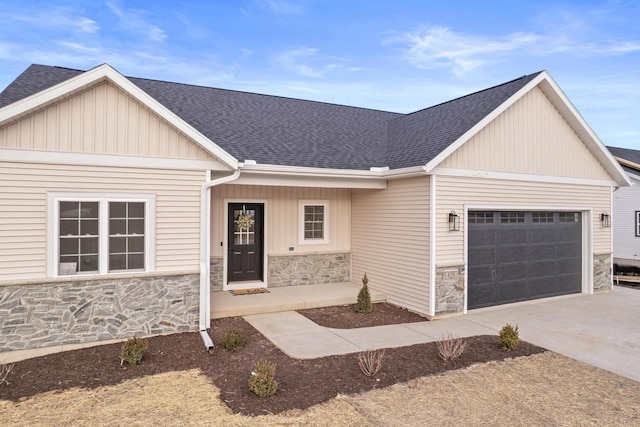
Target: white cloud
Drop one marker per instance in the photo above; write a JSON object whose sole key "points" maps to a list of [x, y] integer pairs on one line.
{"points": [[305, 61], [55, 17], [440, 47], [136, 21], [437, 47]]}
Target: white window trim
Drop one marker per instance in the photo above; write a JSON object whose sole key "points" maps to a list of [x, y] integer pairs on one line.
{"points": [[301, 239], [637, 223], [53, 224]]}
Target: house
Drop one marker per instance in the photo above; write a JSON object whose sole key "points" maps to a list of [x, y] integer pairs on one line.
{"points": [[126, 201], [626, 215]]}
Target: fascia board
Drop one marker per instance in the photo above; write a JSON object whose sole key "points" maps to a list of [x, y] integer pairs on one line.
{"points": [[106, 72]]}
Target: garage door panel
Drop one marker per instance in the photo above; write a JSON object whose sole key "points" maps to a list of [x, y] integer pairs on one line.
{"points": [[512, 235], [568, 250], [482, 275], [537, 256], [510, 272], [538, 234], [511, 253], [483, 237], [512, 291], [485, 256], [540, 252], [537, 269]]}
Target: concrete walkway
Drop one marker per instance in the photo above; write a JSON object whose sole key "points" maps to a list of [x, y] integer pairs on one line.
{"points": [[601, 330]]}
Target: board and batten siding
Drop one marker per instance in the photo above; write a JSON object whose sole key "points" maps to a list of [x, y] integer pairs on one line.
{"points": [[390, 241], [23, 211], [530, 137], [626, 201], [102, 119], [282, 220], [454, 193]]}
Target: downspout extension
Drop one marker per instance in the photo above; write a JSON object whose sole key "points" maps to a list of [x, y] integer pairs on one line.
{"points": [[205, 251]]}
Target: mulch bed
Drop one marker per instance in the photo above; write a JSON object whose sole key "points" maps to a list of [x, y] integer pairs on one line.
{"points": [[302, 383], [345, 316]]}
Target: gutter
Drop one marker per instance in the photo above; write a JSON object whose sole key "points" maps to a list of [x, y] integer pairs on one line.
{"points": [[205, 253]]}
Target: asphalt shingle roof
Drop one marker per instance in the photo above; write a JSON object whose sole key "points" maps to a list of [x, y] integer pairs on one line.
{"points": [[294, 132]]}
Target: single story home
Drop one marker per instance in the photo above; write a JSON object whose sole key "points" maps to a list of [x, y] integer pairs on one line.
{"points": [[626, 215], [127, 201]]}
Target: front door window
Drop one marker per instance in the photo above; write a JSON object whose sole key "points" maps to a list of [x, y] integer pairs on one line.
{"points": [[245, 251]]}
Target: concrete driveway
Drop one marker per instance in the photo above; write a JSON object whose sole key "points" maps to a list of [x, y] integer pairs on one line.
{"points": [[602, 330]]}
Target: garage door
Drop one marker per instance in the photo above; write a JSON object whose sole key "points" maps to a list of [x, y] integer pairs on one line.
{"points": [[519, 256]]}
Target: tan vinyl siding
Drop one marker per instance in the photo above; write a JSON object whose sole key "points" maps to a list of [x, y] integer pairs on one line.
{"points": [[282, 216], [23, 211], [530, 137], [454, 193], [100, 120], [390, 241]]}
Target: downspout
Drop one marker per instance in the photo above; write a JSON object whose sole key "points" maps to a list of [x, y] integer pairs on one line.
{"points": [[205, 253]]}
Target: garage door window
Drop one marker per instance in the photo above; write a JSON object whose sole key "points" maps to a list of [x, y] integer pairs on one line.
{"points": [[541, 217], [511, 217], [569, 217], [480, 217]]}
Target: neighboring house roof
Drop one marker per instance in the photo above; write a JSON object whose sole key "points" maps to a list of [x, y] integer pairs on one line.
{"points": [[629, 159], [280, 131]]}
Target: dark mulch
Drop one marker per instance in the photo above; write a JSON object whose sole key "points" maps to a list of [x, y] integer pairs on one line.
{"points": [[345, 316], [302, 383]]}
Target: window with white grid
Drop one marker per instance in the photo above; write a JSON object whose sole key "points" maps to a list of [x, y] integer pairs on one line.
{"points": [[313, 222]]}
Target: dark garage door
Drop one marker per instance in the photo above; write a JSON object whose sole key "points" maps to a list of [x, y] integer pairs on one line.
{"points": [[518, 256]]}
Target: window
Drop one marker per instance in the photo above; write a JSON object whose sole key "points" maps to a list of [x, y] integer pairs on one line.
{"points": [[313, 222], [511, 217], [539, 217], [99, 234], [480, 217], [637, 223], [569, 217]]}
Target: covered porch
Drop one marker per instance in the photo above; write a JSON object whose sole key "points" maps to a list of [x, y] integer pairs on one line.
{"points": [[285, 298]]}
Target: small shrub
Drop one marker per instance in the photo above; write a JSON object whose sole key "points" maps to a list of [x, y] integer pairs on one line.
{"points": [[363, 303], [263, 379], [133, 350], [509, 337], [5, 370], [233, 340], [450, 346], [371, 361]]}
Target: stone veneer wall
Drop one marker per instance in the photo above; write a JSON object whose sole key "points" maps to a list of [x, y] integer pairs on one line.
{"points": [[215, 274], [309, 269], [602, 280], [79, 311], [449, 289]]}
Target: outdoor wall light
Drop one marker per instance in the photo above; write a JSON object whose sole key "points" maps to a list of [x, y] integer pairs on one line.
{"points": [[454, 221], [605, 219]]}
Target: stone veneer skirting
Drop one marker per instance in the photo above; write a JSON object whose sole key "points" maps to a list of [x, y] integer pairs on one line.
{"points": [[450, 289], [602, 280], [80, 311], [294, 270]]}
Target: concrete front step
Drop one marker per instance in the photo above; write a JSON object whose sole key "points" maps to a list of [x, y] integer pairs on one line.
{"points": [[224, 304]]}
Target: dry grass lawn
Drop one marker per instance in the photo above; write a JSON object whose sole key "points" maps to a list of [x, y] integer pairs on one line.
{"points": [[545, 389]]}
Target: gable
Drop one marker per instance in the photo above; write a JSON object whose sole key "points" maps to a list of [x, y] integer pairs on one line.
{"points": [[529, 137], [102, 119]]}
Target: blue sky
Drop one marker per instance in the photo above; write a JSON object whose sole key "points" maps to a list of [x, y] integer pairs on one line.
{"points": [[390, 55]]}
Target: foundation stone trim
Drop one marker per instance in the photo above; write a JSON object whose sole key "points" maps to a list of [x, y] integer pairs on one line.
{"points": [[450, 289], [602, 280], [81, 311], [309, 269]]}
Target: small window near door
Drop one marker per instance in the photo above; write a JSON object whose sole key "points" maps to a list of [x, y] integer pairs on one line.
{"points": [[637, 223], [313, 222]]}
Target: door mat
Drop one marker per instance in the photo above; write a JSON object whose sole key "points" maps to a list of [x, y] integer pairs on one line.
{"points": [[249, 291]]}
